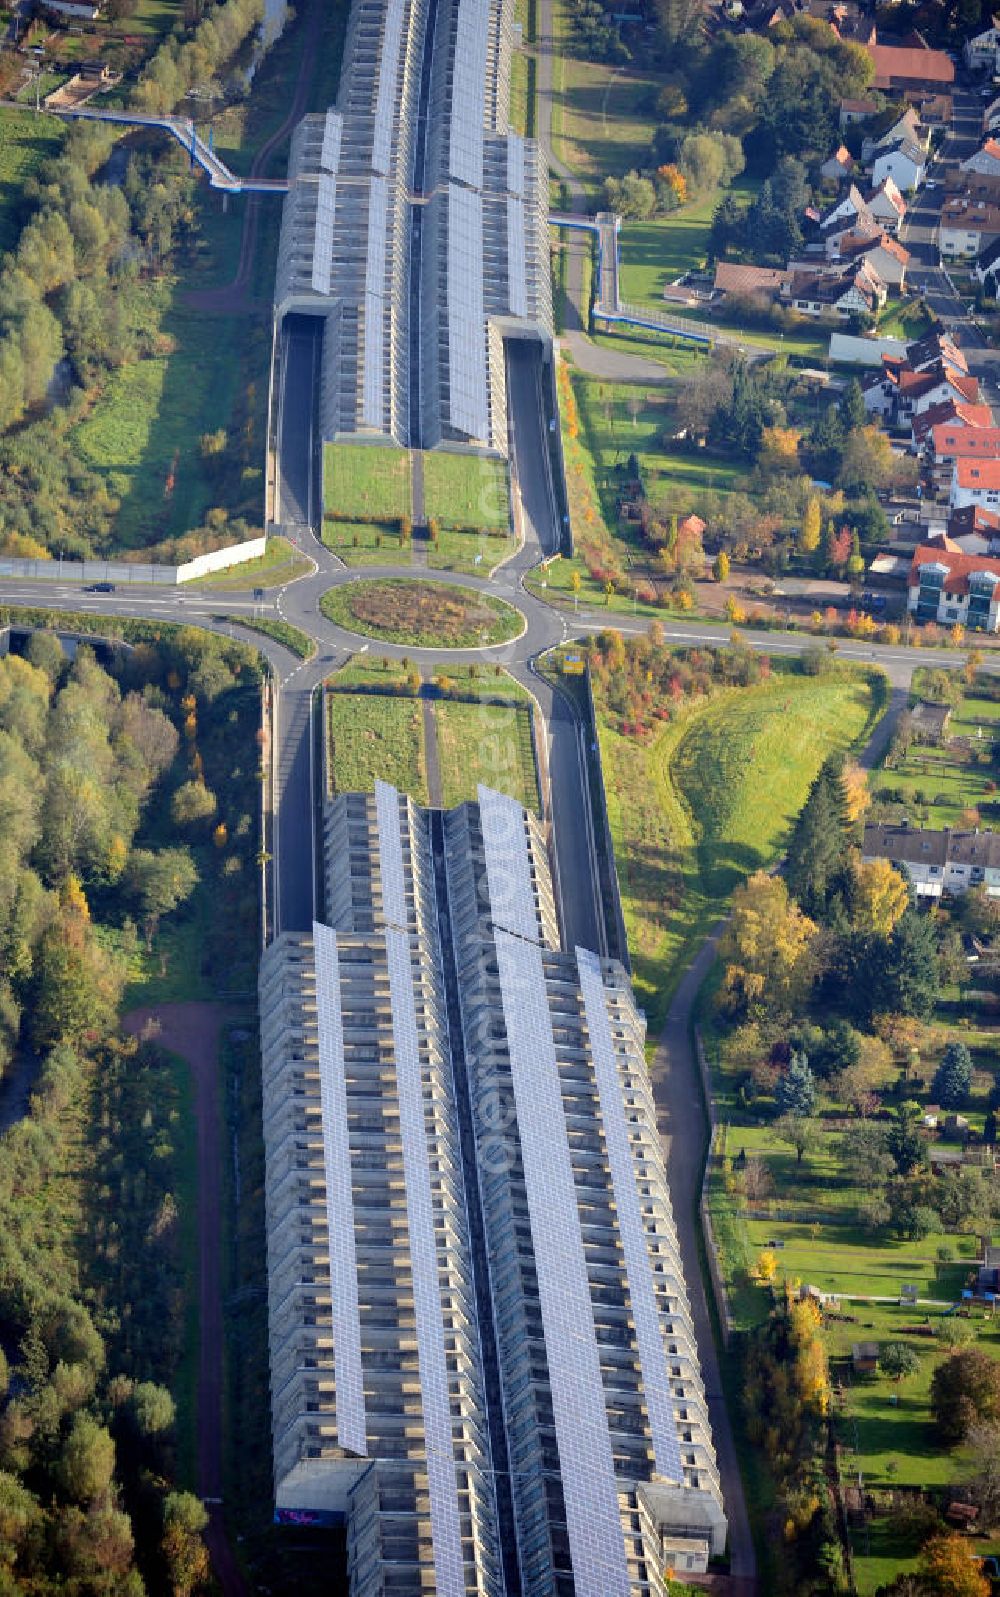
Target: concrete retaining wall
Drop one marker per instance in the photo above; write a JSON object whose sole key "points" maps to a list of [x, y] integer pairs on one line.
{"points": [[127, 571]]}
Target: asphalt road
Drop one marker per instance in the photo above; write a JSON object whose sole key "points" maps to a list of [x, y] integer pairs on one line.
{"points": [[297, 454]]}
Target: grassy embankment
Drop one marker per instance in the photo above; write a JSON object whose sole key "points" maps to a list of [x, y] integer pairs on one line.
{"points": [[709, 800]]}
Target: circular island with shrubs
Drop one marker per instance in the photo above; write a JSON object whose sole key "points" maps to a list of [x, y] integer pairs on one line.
{"points": [[422, 614]]}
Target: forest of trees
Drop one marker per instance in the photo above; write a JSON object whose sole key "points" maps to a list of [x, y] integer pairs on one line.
{"points": [[125, 788]]}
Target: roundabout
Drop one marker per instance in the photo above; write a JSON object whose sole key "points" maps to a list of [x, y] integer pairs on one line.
{"points": [[422, 614]]}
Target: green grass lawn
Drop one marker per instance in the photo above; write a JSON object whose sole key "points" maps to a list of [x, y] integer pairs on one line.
{"points": [[602, 119], [25, 141], [654, 253], [468, 491], [376, 738], [145, 428], [710, 800], [365, 481], [367, 543], [421, 613], [472, 555], [487, 743], [677, 358]]}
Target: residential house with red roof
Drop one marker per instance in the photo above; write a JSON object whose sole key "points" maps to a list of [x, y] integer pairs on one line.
{"points": [[899, 69], [947, 588], [975, 482], [948, 443]]}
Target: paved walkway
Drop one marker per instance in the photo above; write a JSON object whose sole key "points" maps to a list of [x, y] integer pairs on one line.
{"points": [[682, 1124]]}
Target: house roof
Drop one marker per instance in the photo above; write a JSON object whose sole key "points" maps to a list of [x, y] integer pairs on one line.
{"points": [[889, 190], [950, 413], [731, 277], [975, 473], [971, 519], [859, 107], [959, 567], [982, 443], [855, 243], [915, 384], [924, 66], [905, 845], [968, 214], [986, 159], [934, 347]]}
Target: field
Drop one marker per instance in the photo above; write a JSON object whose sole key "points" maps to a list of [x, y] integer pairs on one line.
{"points": [[466, 491], [710, 800], [143, 433], [379, 730], [378, 543], [376, 737], [487, 743], [423, 614], [602, 122], [938, 783], [366, 482], [654, 253], [25, 141]]}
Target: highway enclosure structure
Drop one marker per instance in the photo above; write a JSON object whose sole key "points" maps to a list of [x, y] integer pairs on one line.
{"points": [[482, 1353], [416, 227]]}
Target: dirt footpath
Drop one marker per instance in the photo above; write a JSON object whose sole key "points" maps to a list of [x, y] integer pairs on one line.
{"points": [[192, 1031]]}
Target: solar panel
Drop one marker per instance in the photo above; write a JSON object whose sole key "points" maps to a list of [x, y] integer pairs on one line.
{"points": [[388, 77], [590, 1490], [427, 1306], [515, 164], [351, 1427], [638, 1269], [467, 377], [390, 854], [374, 354], [517, 271], [322, 261], [333, 127], [508, 867], [468, 93]]}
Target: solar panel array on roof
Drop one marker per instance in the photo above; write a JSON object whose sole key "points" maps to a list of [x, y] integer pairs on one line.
{"points": [[388, 78], [638, 1269], [508, 867], [586, 1462], [517, 265], [427, 1306], [390, 854], [350, 1398], [378, 210], [515, 163], [322, 261], [333, 127], [465, 146], [468, 402]]}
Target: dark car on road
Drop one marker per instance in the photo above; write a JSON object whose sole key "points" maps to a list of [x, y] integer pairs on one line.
{"points": [[99, 587]]}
